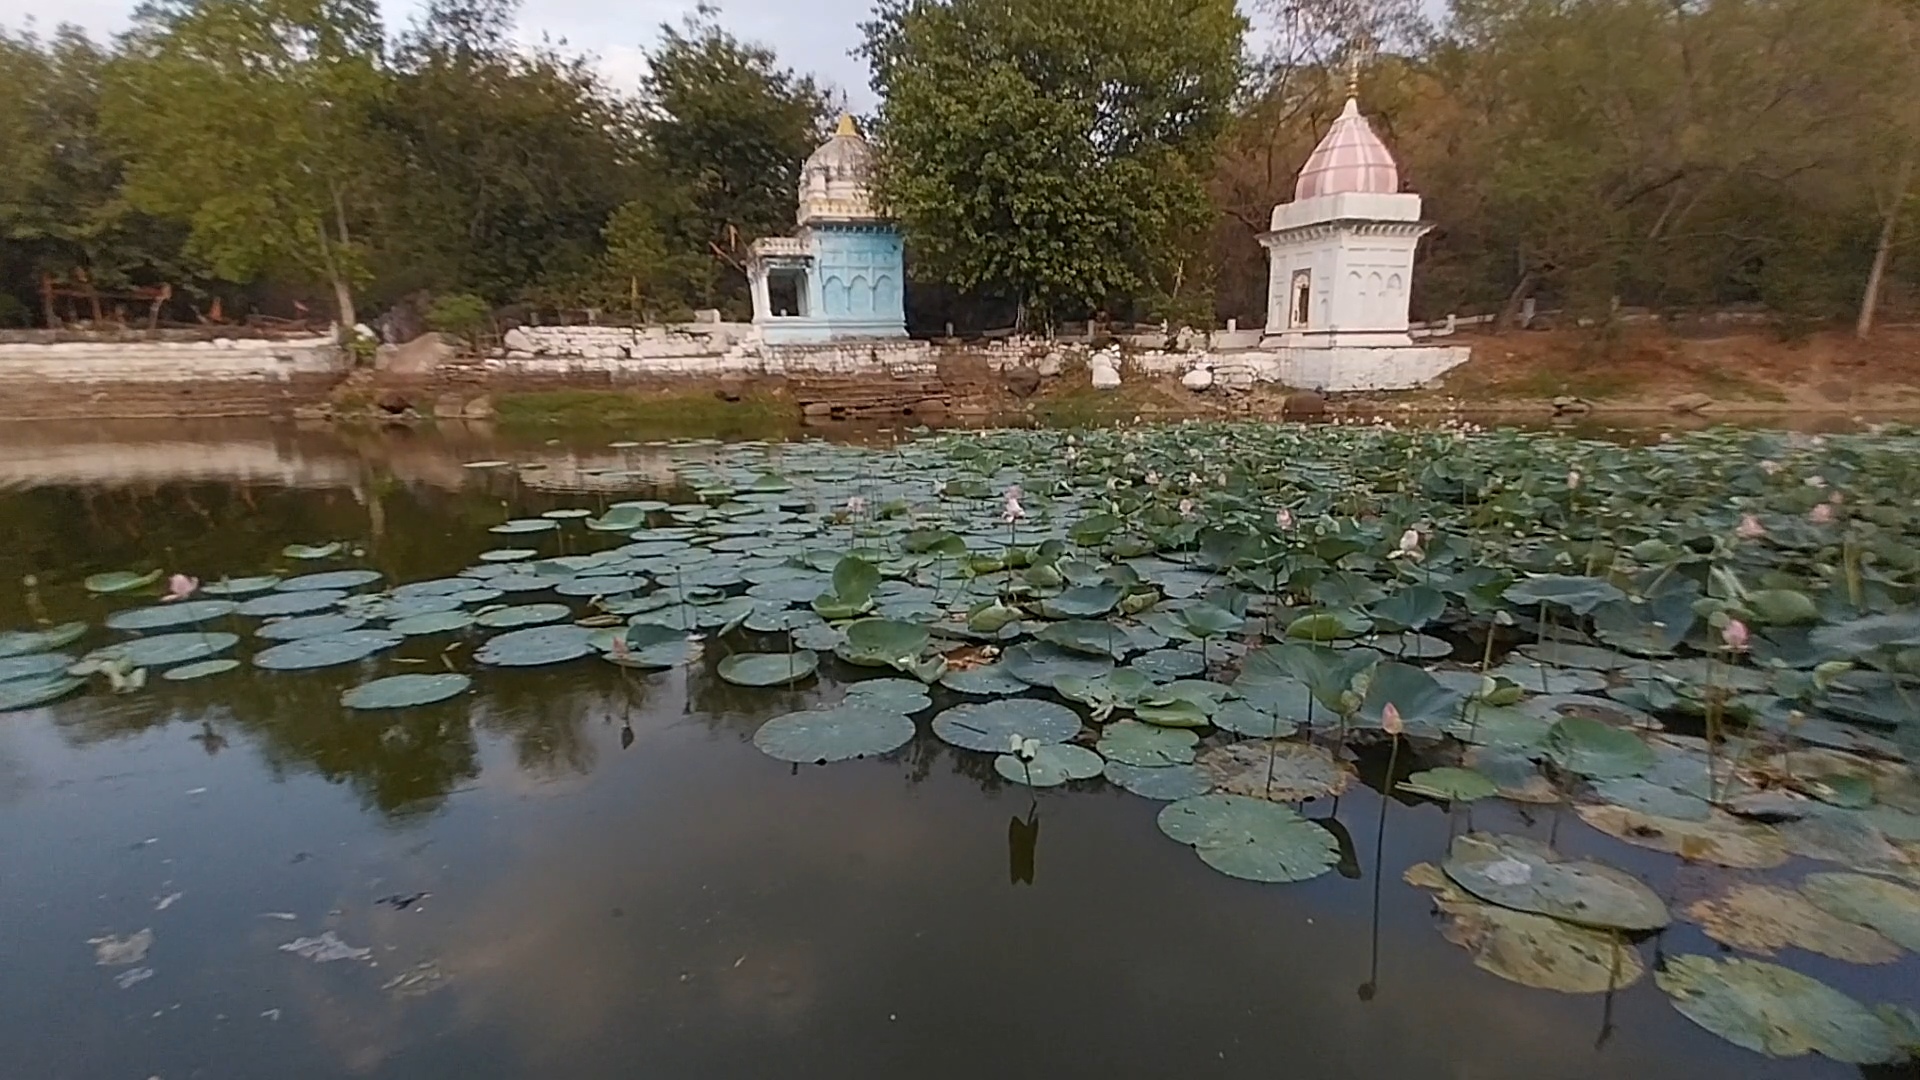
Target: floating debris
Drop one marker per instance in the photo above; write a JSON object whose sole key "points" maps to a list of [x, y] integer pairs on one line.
{"points": [[119, 952], [132, 977], [324, 949]]}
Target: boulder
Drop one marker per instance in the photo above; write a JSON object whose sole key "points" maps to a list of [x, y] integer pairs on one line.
{"points": [[519, 341], [421, 356], [1200, 378], [1690, 403], [932, 410], [1104, 367], [480, 408], [731, 388], [393, 402], [1568, 405], [448, 407], [1304, 405], [1022, 381]]}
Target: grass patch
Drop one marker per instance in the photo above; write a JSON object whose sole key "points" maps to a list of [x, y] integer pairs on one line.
{"points": [[1723, 383], [1552, 382], [694, 415]]}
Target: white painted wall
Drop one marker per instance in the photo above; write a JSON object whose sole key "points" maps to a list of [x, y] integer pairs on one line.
{"points": [[222, 359]]}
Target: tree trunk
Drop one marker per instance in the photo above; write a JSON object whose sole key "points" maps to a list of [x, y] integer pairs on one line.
{"points": [[343, 307], [1883, 252], [1514, 299]]}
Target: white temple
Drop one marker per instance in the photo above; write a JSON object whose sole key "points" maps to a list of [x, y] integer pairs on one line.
{"points": [[1340, 265]]}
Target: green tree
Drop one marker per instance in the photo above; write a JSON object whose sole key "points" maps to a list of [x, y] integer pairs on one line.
{"points": [[507, 161], [726, 129], [1053, 150], [61, 207], [248, 119]]}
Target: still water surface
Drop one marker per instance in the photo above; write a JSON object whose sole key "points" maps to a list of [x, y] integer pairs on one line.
{"points": [[574, 874]]}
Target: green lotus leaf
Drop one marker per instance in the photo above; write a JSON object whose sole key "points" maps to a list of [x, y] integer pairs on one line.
{"points": [[27, 693], [1528, 949], [520, 526], [506, 618], [1449, 784], [277, 605], [990, 726], [308, 552], [1053, 764], [536, 646], [1041, 664], [405, 691], [1773, 1011], [309, 626], [1162, 784], [1891, 909], [1579, 595], [1083, 602], [988, 680], [769, 669], [332, 581], [1525, 875], [199, 670], [119, 581], [1251, 839], [163, 650], [162, 616], [1410, 608], [841, 733], [325, 651], [1131, 742], [1597, 751]]}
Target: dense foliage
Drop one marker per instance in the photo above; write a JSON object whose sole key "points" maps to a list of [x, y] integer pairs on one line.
{"points": [[1068, 157]]}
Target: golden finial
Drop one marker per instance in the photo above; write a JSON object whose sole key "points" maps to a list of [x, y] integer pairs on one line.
{"points": [[846, 127], [1353, 70]]}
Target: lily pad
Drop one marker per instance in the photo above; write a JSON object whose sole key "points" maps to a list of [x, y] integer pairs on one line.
{"points": [[1242, 718], [987, 680], [162, 616], [1083, 602], [1131, 742], [769, 669], [1163, 784], [199, 670], [894, 695], [405, 691], [33, 666], [1052, 765], [27, 693], [1039, 664], [438, 622], [520, 526], [276, 605], [1532, 950], [1597, 751], [989, 726], [1644, 797], [1449, 784], [1890, 908], [309, 626], [841, 733], [1766, 918], [536, 646], [1251, 839], [1773, 1011], [507, 618], [333, 581], [1722, 839], [327, 651], [1579, 595], [1275, 771], [164, 650], [19, 642], [1091, 637], [119, 581], [308, 552], [1526, 875]]}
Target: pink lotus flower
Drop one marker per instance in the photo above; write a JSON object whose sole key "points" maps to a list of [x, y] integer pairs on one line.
{"points": [[1186, 507], [179, 587], [1821, 514], [1573, 479], [619, 647], [1153, 478], [1390, 721], [1409, 548], [1735, 635], [1012, 512], [1750, 528], [856, 506], [1769, 467], [1283, 517]]}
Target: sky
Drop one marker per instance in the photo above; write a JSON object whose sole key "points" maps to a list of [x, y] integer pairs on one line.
{"points": [[811, 37]]}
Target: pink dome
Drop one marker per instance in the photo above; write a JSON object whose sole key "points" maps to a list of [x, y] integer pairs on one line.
{"points": [[1351, 159]]}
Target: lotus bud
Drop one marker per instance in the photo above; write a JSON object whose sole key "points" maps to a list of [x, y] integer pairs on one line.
{"points": [[1390, 721], [1750, 528], [1735, 635]]}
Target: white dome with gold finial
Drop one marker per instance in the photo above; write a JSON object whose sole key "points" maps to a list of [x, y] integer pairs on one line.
{"points": [[833, 182]]}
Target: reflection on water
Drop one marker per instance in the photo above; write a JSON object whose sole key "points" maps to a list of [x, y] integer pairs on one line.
{"points": [[616, 882]]}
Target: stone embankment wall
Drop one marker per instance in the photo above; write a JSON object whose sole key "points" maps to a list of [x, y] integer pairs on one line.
{"points": [[46, 375]]}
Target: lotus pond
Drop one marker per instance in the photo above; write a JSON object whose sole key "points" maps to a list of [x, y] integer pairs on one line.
{"points": [[1200, 750]]}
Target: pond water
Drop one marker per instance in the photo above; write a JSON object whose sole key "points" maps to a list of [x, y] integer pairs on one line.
{"points": [[583, 870]]}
